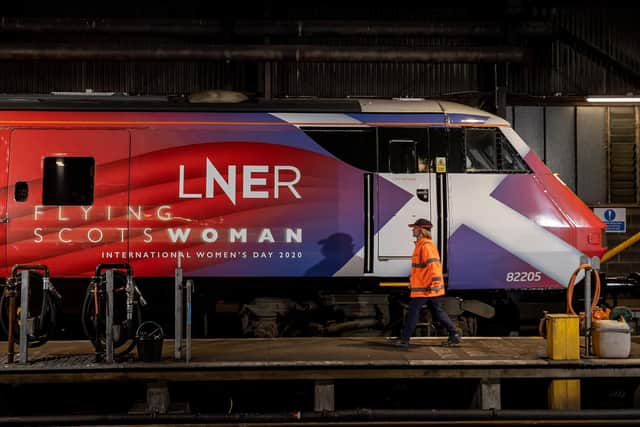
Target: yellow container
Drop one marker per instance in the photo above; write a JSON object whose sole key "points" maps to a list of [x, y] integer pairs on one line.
{"points": [[563, 336]]}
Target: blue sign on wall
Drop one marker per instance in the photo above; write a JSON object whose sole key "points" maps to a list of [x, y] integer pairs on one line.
{"points": [[614, 218]]}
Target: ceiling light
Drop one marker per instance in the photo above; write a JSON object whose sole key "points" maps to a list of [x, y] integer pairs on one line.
{"points": [[614, 99]]}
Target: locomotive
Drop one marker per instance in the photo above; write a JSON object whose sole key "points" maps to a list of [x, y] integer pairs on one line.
{"points": [[294, 195]]}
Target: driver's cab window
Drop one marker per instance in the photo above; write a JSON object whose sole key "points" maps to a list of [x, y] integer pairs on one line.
{"points": [[405, 150], [402, 156], [487, 150], [482, 153]]}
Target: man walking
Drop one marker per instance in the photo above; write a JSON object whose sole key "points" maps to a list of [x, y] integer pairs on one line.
{"points": [[427, 285]]}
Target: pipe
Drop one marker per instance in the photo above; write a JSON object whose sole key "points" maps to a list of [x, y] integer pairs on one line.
{"points": [[109, 26], [352, 417], [258, 27], [366, 28], [298, 53], [621, 247]]}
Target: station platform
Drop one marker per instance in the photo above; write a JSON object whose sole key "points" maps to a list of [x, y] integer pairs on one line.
{"points": [[318, 358], [492, 364]]}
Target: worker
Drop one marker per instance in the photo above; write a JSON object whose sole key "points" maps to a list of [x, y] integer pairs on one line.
{"points": [[426, 285]]}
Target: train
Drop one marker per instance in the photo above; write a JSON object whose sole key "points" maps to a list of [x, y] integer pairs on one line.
{"points": [[293, 194]]}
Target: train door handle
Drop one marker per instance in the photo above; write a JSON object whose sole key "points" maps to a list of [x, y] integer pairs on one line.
{"points": [[423, 194]]}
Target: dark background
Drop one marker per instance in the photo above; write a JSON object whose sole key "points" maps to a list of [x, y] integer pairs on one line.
{"points": [[480, 53]]}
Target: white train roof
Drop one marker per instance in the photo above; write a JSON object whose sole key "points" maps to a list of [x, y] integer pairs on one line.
{"points": [[415, 105], [293, 107]]}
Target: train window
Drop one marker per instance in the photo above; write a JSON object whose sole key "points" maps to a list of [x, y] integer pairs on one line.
{"points": [[354, 146], [509, 159], [481, 150], [21, 191], [68, 181], [403, 156], [403, 150], [487, 150]]}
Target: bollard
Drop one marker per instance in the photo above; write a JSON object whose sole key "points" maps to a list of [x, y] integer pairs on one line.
{"points": [[178, 313], [594, 264], [11, 339], [24, 311], [109, 320], [188, 318], [587, 306]]}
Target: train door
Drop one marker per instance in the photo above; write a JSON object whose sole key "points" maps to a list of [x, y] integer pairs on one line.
{"points": [[404, 188], [493, 205], [446, 154], [68, 199]]}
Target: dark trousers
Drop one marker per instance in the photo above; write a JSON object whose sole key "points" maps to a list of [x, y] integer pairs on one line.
{"points": [[435, 305]]}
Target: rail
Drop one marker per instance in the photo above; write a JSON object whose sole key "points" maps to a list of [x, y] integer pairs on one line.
{"points": [[621, 247]]}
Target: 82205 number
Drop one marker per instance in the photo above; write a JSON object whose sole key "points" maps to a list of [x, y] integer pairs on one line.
{"points": [[524, 276]]}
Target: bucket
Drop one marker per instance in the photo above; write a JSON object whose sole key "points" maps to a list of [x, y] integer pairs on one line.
{"points": [[611, 339], [150, 338]]}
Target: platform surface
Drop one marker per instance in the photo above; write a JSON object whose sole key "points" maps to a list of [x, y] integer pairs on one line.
{"points": [[317, 358]]}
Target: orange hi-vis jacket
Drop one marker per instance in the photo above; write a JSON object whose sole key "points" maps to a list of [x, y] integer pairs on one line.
{"points": [[426, 271]]}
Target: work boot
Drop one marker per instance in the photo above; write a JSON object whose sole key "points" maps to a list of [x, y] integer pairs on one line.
{"points": [[452, 341], [398, 342]]}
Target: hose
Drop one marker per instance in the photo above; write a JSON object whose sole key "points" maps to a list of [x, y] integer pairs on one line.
{"points": [[44, 323], [542, 325], [572, 282], [94, 315]]}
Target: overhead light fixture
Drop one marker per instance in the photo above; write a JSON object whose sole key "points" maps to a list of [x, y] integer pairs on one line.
{"points": [[614, 99]]}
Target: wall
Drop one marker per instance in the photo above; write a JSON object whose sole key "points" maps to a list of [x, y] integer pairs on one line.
{"points": [[627, 261], [572, 141]]}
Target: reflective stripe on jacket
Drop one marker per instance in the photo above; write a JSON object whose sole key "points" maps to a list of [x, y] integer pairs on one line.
{"points": [[426, 270]]}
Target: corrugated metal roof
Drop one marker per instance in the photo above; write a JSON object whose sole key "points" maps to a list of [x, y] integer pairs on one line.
{"points": [[569, 65]]}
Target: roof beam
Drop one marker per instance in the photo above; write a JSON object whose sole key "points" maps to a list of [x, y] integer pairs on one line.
{"points": [[299, 53]]}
